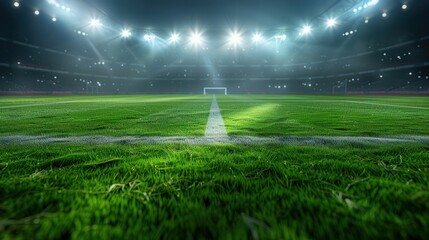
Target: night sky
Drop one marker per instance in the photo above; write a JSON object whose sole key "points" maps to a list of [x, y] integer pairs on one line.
{"points": [[211, 13]]}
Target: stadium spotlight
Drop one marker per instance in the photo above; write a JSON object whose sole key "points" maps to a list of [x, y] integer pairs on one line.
{"points": [[16, 4], [257, 38], [332, 22], [384, 14], [196, 39], [235, 39], [54, 19], [306, 30], [95, 23], [373, 2], [125, 33], [174, 38], [149, 37], [37, 12], [404, 6]]}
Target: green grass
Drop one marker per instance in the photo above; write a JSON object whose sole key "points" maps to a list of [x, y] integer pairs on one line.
{"points": [[322, 115], [223, 191], [105, 115], [181, 115]]}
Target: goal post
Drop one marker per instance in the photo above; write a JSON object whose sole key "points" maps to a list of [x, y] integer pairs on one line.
{"points": [[215, 89]]}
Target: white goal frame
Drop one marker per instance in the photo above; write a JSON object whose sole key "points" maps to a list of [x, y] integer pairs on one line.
{"points": [[215, 88]]}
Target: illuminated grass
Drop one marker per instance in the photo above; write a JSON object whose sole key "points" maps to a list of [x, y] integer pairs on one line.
{"points": [[214, 191], [223, 191], [105, 115], [325, 115], [184, 115]]}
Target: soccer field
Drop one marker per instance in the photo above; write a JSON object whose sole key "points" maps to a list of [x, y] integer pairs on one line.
{"points": [[250, 115], [220, 189]]}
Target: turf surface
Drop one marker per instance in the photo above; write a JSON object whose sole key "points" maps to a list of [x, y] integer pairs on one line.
{"points": [[110, 116], [326, 116], [224, 191], [178, 115], [221, 191]]}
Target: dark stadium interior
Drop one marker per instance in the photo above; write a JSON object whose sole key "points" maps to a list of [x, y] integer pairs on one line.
{"points": [[365, 53]]}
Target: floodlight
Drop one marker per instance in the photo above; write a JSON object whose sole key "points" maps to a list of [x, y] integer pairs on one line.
{"points": [[37, 12], [404, 6], [149, 37], [257, 38], [384, 14], [235, 39], [95, 23], [174, 38], [54, 19], [306, 30], [125, 33], [16, 4], [373, 2], [196, 39], [332, 22]]}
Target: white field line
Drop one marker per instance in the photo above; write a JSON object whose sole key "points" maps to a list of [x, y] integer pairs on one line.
{"points": [[388, 105], [141, 101], [190, 101], [246, 140], [100, 101], [215, 134], [34, 105], [215, 127]]}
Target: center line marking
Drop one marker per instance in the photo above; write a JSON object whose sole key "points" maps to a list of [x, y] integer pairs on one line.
{"points": [[215, 127]]}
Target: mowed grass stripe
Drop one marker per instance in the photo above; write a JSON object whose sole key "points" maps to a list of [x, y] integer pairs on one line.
{"points": [[303, 118], [418, 101], [388, 105], [108, 118], [183, 115], [19, 101]]}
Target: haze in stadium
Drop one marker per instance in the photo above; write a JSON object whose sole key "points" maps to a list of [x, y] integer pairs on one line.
{"points": [[216, 119]]}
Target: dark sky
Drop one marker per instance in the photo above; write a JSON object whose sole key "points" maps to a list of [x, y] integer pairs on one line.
{"points": [[214, 17], [211, 13]]}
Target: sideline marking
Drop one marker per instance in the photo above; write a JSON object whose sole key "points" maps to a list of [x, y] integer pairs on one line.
{"points": [[215, 134], [387, 105], [100, 101], [246, 140], [215, 127]]}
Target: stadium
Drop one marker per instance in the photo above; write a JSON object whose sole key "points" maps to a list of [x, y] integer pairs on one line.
{"points": [[276, 119]]}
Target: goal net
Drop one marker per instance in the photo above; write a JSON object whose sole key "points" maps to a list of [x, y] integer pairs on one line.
{"points": [[215, 90]]}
